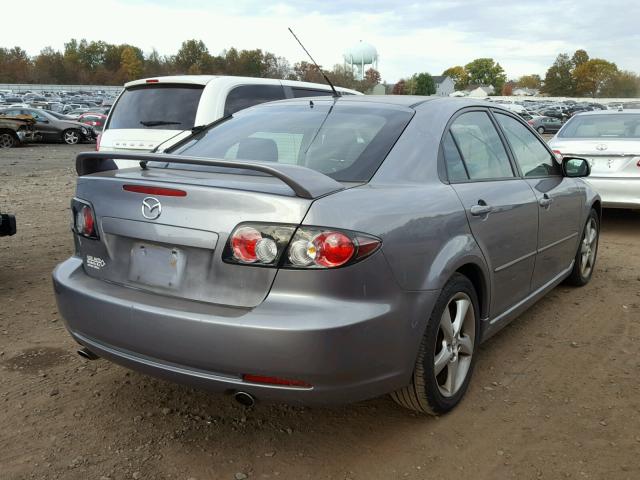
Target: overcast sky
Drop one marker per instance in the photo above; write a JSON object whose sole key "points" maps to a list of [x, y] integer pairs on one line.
{"points": [[524, 36]]}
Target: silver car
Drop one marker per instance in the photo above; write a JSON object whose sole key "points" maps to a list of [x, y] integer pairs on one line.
{"points": [[610, 141], [327, 250]]}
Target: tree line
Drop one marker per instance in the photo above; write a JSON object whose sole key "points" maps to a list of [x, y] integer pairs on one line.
{"points": [[101, 63], [569, 76]]}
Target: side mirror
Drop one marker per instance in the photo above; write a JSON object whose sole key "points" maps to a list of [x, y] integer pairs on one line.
{"points": [[574, 167]]}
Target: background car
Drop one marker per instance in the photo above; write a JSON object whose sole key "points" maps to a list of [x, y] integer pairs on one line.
{"points": [[95, 120], [52, 129], [545, 124], [610, 141], [152, 111]]}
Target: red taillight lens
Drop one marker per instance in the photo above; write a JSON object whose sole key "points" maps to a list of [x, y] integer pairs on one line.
{"points": [[332, 249], [243, 242], [638, 164], [98, 142], [275, 381], [84, 222]]}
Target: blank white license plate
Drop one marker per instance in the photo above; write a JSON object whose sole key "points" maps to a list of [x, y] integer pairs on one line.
{"points": [[157, 266]]}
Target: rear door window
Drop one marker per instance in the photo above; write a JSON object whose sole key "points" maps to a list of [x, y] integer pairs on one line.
{"points": [[246, 96], [158, 106]]}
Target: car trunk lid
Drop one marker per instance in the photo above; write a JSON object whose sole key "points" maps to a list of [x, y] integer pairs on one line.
{"points": [[175, 249]]}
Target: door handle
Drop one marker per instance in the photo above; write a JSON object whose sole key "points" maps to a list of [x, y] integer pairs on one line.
{"points": [[480, 209], [545, 201]]}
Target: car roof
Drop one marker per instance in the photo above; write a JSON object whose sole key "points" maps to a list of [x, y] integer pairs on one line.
{"points": [[414, 102], [231, 79], [609, 112]]}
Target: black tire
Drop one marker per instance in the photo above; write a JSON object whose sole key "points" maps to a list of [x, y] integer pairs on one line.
{"points": [[424, 394], [579, 277], [71, 136], [540, 130], [8, 140]]}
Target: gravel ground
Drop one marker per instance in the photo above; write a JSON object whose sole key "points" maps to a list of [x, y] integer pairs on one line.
{"points": [[554, 395]]}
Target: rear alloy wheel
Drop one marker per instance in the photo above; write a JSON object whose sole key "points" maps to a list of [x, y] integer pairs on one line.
{"points": [[585, 260], [71, 137], [446, 355], [540, 130], [7, 140]]}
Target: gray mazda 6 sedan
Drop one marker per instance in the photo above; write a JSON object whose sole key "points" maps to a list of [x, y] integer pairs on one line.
{"points": [[327, 250]]}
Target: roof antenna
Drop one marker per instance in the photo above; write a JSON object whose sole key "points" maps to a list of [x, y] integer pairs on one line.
{"points": [[335, 92]]}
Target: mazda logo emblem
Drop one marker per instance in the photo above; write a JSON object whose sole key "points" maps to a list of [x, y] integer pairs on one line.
{"points": [[151, 208]]}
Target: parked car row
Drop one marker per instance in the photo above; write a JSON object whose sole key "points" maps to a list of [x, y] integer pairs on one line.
{"points": [[65, 102]]}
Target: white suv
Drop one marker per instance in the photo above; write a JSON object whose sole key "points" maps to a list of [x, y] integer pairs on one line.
{"points": [[151, 111]]}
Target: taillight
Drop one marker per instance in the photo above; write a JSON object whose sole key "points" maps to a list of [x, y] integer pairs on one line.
{"points": [[98, 138], [309, 247], [638, 164], [84, 220], [558, 154], [258, 244]]}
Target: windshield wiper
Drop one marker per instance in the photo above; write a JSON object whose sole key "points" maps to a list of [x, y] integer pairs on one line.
{"points": [[155, 123]]}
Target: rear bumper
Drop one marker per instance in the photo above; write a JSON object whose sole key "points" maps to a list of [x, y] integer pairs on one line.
{"points": [[347, 349], [623, 192]]}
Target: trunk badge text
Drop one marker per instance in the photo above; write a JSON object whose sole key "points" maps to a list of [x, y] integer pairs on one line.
{"points": [[151, 208]]}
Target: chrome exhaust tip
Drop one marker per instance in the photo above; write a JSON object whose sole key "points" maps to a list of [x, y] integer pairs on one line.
{"points": [[245, 399], [87, 354]]}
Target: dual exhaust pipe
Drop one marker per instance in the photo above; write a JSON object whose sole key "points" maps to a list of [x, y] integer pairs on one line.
{"points": [[243, 398]]}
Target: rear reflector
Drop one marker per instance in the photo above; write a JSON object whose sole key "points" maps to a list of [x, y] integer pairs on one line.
{"points": [[275, 381], [166, 192]]}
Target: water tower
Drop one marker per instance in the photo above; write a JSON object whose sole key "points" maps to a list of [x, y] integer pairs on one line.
{"points": [[360, 58]]}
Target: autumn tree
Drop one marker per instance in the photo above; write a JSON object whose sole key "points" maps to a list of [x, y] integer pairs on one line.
{"points": [[579, 57], [486, 71], [131, 64], [424, 84], [399, 87], [594, 77], [625, 85], [529, 81], [372, 78], [558, 80], [193, 57], [459, 75], [507, 89], [48, 67]]}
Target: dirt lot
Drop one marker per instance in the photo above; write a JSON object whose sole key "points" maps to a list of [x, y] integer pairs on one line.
{"points": [[555, 395]]}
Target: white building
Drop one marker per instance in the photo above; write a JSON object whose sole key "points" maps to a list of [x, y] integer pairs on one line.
{"points": [[445, 85]]}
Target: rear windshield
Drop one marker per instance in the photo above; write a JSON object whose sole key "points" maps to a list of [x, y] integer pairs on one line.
{"points": [[344, 141], [159, 106], [623, 125]]}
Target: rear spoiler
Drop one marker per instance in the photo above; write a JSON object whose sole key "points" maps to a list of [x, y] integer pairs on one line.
{"points": [[305, 182]]}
